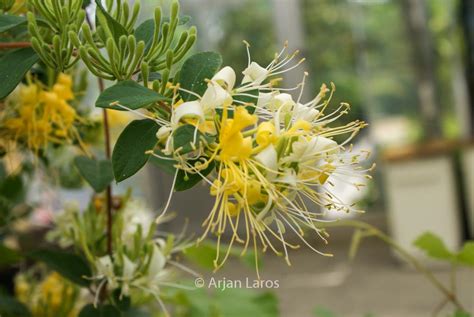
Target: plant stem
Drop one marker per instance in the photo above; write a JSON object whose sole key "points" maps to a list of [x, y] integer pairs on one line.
{"points": [[109, 188], [407, 256], [9, 45]]}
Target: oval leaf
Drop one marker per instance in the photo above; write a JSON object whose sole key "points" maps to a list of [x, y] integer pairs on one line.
{"points": [[185, 181], [13, 67], [129, 151], [433, 246], [69, 265], [97, 173], [196, 69], [129, 94]]}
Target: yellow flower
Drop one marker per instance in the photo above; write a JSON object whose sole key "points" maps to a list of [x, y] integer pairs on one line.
{"points": [[234, 146], [37, 116]]}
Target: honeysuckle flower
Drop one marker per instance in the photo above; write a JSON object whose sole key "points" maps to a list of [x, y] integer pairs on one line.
{"points": [[36, 116], [273, 159]]}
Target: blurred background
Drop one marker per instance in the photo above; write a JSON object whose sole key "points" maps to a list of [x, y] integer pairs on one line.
{"points": [[407, 68]]}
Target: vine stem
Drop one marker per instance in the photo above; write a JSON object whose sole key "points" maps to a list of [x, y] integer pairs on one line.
{"points": [[109, 188], [407, 256], [9, 45]]}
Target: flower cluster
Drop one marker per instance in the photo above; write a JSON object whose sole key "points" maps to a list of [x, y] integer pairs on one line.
{"points": [[52, 296], [268, 157], [36, 116]]}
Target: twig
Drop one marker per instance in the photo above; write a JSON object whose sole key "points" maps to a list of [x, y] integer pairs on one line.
{"points": [[10, 45]]}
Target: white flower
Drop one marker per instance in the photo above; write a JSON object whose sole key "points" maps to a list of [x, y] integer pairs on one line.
{"points": [[304, 112], [215, 96], [163, 133], [306, 151], [225, 78], [268, 158], [135, 214], [105, 270], [190, 109], [255, 74]]}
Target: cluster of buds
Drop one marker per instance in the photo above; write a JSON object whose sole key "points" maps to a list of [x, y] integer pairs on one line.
{"points": [[49, 35]]}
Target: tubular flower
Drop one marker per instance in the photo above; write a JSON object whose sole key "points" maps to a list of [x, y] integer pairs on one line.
{"points": [[36, 116], [269, 162]]}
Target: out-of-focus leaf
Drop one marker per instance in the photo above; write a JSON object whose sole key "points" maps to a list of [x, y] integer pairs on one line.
{"points": [[69, 265], [13, 67], [466, 255], [97, 173], [10, 307], [8, 256], [323, 312], [433, 246], [8, 21], [100, 311]]}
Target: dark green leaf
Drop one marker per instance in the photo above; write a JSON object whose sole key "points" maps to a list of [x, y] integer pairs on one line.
{"points": [[112, 27], [433, 246], [8, 22], [186, 181], [186, 138], [69, 265], [129, 94], [121, 302], [10, 307], [129, 152], [8, 256], [97, 173], [196, 69], [13, 67], [466, 255], [166, 165], [100, 311], [144, 32]]}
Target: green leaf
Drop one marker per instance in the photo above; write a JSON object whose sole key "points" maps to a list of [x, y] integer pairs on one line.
{"points": [[8, 256], [97, 173], [186, 181], [433, 246], [10, 307], [8, 22], [164, 164], [196, 69], [111, 26], [459, 313], [466, 255], [244, 302], [69, 265], [184, 137], [129, 94], [144, 32], [129, 152], [122, 303], [13, 67], [100, 311]]}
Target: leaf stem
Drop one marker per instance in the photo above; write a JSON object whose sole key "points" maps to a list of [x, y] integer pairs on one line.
{"points": [[406, 255]]}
